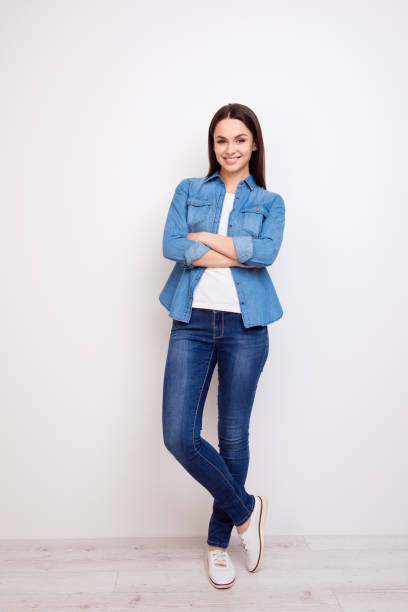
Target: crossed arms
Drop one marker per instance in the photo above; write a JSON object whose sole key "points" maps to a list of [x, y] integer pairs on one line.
{"points": [[222, 253], [218, 251]]}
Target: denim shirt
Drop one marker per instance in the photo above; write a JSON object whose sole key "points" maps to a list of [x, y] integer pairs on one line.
{"points": [[255, 224]]}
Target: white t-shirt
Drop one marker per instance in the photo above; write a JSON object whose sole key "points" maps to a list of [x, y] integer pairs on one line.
{"points": [[216, 288]]}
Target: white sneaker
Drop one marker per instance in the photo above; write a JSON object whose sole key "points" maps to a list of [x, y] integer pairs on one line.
{"points": [[220, 568], [252, 539]]}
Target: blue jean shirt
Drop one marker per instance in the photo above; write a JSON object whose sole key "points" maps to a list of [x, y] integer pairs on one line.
{"points": [[255, 224]]}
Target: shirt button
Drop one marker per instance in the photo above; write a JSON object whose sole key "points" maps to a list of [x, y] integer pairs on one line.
{"points": [[219, 206], [230, 224], [242, 302], [196, 277], [237, 282], [191, 297], [237, 197]]}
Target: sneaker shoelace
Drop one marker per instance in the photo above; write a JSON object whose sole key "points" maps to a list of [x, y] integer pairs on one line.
{"points": [[243, 543], [220, 557]]}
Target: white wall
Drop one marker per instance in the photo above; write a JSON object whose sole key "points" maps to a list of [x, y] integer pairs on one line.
{"points": [[105, 106]]}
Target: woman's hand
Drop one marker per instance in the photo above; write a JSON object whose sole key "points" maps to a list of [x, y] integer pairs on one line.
{"points": [[240, 265]]}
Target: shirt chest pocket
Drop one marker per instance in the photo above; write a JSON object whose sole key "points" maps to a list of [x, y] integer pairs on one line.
{"points": [[198, 210], [252, 219]]}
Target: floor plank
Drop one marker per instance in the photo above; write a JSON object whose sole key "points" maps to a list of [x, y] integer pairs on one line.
{"points": [[299, 574], [390, 601]]}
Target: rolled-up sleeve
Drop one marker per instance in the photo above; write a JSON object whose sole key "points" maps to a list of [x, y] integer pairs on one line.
{"points": [[195, 251], [175, 244], [263, 251], [243, 247]]}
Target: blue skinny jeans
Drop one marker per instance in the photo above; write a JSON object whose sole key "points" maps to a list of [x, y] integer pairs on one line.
{"points": [[210, 337]]}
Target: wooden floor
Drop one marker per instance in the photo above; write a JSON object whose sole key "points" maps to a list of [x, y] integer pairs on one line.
{"points": [[299, 573]]}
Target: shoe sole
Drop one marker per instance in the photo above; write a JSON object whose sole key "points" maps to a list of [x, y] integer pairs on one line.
{"points": [[262, 517], [217, 585], [221, 586]]}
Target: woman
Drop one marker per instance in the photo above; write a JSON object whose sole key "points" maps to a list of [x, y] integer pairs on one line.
{"points": [[222, 231]]}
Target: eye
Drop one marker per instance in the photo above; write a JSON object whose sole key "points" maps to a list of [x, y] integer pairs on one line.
{"points": [[239, 140]]}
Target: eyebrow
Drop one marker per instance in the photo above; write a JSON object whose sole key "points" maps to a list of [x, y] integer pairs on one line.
{"points": [[235, 136]]}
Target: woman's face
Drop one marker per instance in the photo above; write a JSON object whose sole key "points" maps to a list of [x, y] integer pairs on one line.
{"points": [[233, 145]]}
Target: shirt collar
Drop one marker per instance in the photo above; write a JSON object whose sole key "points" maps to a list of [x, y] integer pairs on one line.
{"points": [[250, 181]]}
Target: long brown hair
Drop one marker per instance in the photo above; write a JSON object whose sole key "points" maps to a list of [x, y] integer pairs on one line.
{"points": [[248, 117]]}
